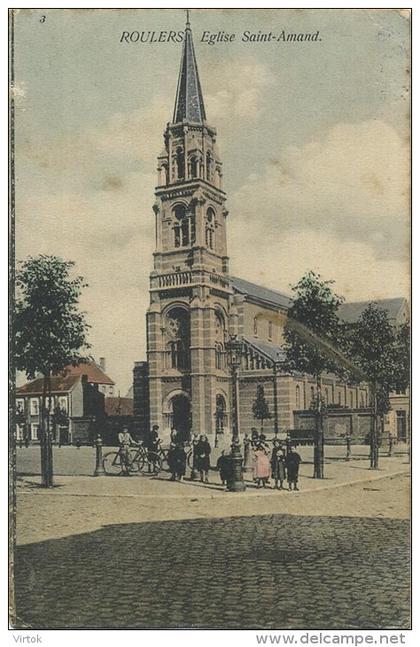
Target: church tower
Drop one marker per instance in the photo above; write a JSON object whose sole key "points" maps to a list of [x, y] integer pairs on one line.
{"points": [[187, 320]]}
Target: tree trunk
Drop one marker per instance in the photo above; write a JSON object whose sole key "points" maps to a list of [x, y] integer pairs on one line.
{"points": [[374, 446], [45, 440], [319, 435]]}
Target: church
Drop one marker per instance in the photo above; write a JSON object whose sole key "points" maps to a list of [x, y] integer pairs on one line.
{"points": [[196, 305]]}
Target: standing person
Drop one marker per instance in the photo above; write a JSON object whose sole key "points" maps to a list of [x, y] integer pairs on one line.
{"points": [[177, 461], [223, 465], [261, 465], [194, 469], [293, 461], [255, 437], [152, 445], [125, 441], [202, 458], [278, 464]]}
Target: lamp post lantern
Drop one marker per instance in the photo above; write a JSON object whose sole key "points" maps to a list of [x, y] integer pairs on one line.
{"points": [[236, 480]]}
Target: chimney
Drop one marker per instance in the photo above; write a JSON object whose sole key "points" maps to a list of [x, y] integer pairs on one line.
{"points": [[102, 363]]}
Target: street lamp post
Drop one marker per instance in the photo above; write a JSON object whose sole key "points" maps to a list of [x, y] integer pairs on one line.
{"points": [[277, 365], [236, 481]]}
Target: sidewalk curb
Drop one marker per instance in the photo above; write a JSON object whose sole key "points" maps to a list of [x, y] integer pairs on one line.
{"points": [[246, 494]]}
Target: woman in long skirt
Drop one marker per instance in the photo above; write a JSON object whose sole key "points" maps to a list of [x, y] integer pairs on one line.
{"points": [[261, 466]]}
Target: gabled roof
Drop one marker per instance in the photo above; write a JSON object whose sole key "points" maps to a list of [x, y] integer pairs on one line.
{"points": [[259, 292], [350, 312], [95, 375], [119, 406], [189, 104], [59, 384]]}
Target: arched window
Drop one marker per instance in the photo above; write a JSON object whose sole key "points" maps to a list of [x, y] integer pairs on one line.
{"points": [[178, 347], [351, 399], [180, 163], [208, 166], [339, 396], [326, 397], [210, 228], [220, 356], [193, 167], [312, 395], [297, 396], [184, 227]]}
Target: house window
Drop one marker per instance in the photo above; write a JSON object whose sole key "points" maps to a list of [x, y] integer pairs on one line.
{"points": [[270, 330], [312, 395], [351, 399], [34, 431], [20, 404], [34, 407], [339, 397], [62, 403], [298, 396], [255, 325], [19, 432], [326, 397]]}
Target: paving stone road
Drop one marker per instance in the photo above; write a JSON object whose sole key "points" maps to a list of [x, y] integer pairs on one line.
{"points": [[318, 569]]}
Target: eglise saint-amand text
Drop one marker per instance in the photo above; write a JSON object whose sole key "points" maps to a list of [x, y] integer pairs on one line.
{"points": [[195, 304]]}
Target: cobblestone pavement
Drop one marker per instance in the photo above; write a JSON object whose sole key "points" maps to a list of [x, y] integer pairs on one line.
{"points": [[310, 565]]}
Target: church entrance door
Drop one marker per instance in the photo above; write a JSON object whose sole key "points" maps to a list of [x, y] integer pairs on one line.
{"points": [[181, 416]]}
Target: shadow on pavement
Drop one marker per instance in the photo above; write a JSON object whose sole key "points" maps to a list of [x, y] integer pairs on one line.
{"points": [[270, 572]]}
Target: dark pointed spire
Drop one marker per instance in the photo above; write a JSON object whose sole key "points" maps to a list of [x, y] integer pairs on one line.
{"points": [[189, 104]]}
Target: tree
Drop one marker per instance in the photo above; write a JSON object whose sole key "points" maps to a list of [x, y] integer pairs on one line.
{"points": [[312, 328], [382, 352], [59, 418], [50, 332], [260, 407]]}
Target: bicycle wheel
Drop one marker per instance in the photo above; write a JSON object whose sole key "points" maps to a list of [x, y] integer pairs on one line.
{"points": [[152, 464], [136, 460], [164, 459], [112, 463]]}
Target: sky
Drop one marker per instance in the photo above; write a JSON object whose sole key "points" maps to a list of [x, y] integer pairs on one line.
{"points": [[314, 138]]}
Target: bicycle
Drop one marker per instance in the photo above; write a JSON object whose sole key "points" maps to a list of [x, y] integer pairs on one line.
{"points": [[139, 460]]}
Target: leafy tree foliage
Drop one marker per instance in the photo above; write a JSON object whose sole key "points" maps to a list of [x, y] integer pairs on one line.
{"points": [[383, 354], [260, 407], [50, 332], [312, 335], [315, 307]]}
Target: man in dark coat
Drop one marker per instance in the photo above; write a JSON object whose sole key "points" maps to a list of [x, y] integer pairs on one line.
{"points": [[202, 452], [177, 460], [292, 465]]}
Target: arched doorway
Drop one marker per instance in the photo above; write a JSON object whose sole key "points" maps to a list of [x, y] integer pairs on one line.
{"points": [[181, 416]]}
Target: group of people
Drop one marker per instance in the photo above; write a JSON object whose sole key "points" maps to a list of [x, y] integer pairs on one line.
{"points": [[280, 464], [277, 463], [177, 457]]}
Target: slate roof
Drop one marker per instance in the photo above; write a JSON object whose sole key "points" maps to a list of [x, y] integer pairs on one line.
{"points": [[272, 351], [95, 374], [259, 292], [119, 406], [59, 384], [350, 312], [189, 104]]}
